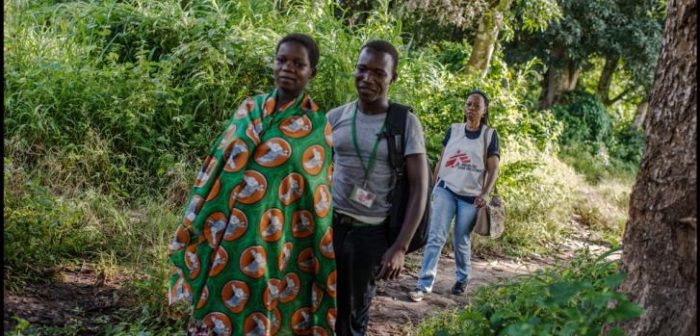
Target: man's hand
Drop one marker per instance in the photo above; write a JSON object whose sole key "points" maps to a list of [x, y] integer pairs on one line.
{"points": [[392, 264]]}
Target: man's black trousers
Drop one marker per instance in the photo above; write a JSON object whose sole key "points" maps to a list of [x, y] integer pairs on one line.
{"points": [[358, 253]]}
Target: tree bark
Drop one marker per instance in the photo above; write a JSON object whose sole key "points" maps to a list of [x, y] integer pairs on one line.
{"points": [[486, 37], [660, 247], [561, 77], [605, 80], [641, 115]]}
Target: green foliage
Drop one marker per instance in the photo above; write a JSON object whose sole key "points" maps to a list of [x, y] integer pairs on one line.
{"points": [[577, 299], [629, 29], [626, 144], [586, 121], [592, 142]]}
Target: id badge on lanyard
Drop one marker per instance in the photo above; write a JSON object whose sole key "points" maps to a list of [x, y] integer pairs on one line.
{"points": [[362, 196]]}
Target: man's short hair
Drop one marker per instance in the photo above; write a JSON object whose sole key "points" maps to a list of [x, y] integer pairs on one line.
{"points": [[308, 43], [385, 47]]}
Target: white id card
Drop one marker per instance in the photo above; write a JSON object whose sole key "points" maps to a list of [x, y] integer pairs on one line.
{"points": [[362, 196]]}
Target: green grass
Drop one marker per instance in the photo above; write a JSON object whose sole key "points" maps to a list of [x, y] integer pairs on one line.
{"points": [[575, 299]]}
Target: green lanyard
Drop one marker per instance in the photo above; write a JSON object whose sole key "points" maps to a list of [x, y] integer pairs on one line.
{"points": [[373, 155]]}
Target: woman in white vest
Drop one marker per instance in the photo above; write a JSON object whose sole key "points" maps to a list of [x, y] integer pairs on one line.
{"points": [[465, 174]]}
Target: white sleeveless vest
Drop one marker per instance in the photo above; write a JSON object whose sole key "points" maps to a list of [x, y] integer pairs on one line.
{"points": [[462, 166]]}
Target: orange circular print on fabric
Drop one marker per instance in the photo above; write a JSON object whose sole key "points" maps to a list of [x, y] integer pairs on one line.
{"points": [[180, 240], [192, 210], [290, 288], [235, 295], [244, 109], [271, 294], [330, 284], [214, 228], [302, 321], [254, 262], [296, 126], [319, 331], [316, 297], [192, 261], [253, 131], [276, 321], [218, 323], [236, 155], [228, 136], [272, 225], [203, 297], [327, 244], [284, 256], [328, 132], [302, 224], [181, 291], [291, 188], [306, 260], [269, 106], [330, 318], [219, 259], [272, 153], [237, 225], [257, 324], [214, 190], [313, 159], [251, 190], [206, 171], [322, 201]]}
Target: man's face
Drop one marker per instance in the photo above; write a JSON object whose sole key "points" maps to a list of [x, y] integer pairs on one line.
{"points": [[373, 75]]}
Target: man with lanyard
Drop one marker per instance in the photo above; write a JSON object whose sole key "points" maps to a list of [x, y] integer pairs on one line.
{"points": [[362, 181]]}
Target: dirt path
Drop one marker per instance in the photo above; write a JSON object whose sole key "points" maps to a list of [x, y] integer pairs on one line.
{"points": [[74, 297], [393, 313], [85, 300]]}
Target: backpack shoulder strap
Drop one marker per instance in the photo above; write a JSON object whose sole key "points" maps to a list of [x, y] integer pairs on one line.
{"points": [[395, 132]]}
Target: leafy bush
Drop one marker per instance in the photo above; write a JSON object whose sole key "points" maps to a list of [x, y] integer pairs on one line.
{"points": [[586, 121], [577, 299], [627, 144]]}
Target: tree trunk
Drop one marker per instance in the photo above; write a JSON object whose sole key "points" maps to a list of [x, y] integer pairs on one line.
{"points": [[641, 115], [561, 77], [605, 80], [486, 37], [660, 247]]}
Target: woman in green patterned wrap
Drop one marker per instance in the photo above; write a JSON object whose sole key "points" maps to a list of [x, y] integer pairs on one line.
{"points": [[253, 253]]}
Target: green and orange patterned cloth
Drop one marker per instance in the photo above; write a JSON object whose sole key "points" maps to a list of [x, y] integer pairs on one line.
{"points": [[254, 250]]}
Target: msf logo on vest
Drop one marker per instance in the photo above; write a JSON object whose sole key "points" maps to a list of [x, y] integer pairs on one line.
{"points": [[459, 160]]}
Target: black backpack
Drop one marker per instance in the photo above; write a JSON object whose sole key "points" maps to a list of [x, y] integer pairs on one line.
{"points": [[395, 131]]}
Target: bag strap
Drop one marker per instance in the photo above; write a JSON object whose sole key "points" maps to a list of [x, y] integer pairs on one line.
{"points": [[395, 125], [488, 136]]}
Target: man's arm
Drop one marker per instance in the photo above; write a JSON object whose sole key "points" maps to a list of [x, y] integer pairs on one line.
{"points": [[417, 173]]}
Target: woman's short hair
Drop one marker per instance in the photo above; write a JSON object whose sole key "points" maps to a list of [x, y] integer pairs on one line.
{"points": [[385, 47], [308, 43]]}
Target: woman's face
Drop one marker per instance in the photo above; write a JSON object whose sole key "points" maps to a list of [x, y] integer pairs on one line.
{"points": [[474, 108], [292, 67]]}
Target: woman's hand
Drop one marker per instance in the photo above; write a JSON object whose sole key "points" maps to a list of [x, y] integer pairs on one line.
{"points": [[480, 201]]}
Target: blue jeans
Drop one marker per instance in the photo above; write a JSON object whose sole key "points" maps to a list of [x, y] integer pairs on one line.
{"points": [[444, 206]]}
